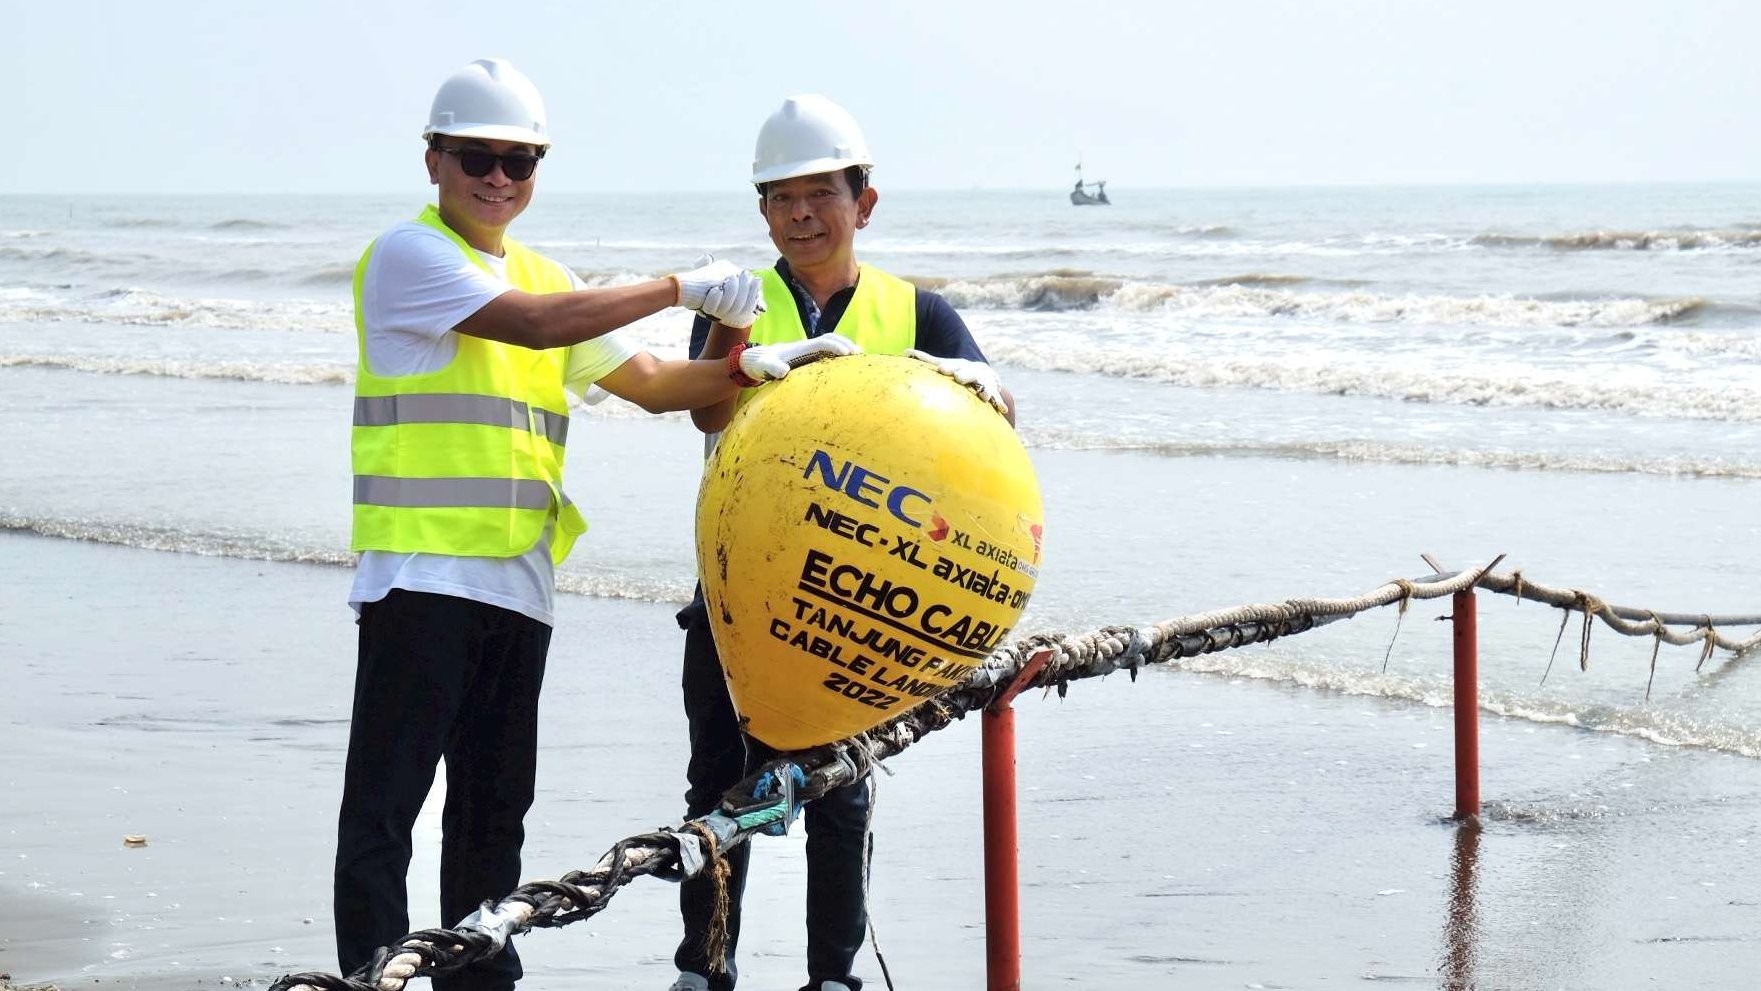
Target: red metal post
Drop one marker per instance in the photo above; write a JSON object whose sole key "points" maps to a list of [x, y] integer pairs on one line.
{"points": [[1002, 905], [1467, 707], [1002, 910]]}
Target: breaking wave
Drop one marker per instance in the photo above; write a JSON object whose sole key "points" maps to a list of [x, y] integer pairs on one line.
{"points": [[245, 224], [1348, 374], [1679, 239], [1654, 724], [330, 275], [1261, 296], [1257, 279], [244, 371], [264, 547], [214, 543], [603, 406], [143, 307], [1377, 452], [68, 257], [1248, 296]]}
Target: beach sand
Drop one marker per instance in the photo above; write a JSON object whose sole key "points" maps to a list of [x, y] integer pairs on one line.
{"points": [[1185, 830]]}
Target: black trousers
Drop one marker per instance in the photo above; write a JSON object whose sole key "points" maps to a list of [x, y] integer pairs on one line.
{"points": [[838, 837], [437, 676]]}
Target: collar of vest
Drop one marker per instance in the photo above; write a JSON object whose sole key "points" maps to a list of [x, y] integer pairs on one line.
{"points": [[430, 217], [881, 314]]}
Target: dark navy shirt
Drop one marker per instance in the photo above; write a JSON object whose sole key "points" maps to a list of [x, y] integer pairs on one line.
{"points": [[940, 331]]}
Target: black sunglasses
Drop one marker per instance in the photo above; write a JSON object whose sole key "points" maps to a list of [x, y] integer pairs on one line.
{"points": [[478, 163]]}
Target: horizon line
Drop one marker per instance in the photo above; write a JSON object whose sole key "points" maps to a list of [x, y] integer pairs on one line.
{"points": [[1200, 187]]}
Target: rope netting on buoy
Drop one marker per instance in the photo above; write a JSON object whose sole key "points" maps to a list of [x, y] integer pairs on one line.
{"points": [[768, 800]]}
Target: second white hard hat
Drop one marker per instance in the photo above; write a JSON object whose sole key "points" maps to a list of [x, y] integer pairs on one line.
{"points": [[809, 135], [489, 99]]}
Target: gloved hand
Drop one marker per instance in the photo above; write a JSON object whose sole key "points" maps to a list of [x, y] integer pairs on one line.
{"points": [[975, 375], [765, 362], [735, 302], [697, 283]]}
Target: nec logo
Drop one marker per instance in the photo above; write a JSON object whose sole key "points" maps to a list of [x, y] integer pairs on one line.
{"points": [[866, 487]]}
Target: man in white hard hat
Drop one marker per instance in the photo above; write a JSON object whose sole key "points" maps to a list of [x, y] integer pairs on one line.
{"points": [[468, 341], [811, 171]]}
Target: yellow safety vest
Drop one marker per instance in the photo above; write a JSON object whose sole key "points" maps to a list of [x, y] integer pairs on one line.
{"points": [[881, 317], [466, 460]]}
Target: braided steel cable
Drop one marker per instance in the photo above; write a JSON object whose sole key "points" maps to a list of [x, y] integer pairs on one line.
{"points": [[674, 854], [575, 896], [1629, 621]]}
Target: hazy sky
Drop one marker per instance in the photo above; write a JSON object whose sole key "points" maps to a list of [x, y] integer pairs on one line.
{"points": [[329, 97]]}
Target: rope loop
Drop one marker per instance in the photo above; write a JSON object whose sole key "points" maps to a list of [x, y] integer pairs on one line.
{"points": [[1658, 631], [715, 940], [1710, 641], [1407, 588]]}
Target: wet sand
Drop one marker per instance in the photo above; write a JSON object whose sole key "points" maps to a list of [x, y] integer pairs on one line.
{"points": [[1185, 830]]}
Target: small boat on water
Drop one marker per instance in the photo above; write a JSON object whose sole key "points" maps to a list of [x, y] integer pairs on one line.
{"points": [[1081, 197]]}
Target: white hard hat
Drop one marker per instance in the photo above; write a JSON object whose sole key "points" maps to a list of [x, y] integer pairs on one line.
{"points": [[809, 135], [489, 99]]}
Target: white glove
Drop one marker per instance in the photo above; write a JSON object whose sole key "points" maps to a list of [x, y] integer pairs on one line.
{"points": [[736, 301], [766, 362], [697, 283], [975, 375]]}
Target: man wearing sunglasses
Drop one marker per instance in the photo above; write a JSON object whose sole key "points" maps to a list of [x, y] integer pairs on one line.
{"points": [[811, 171], [468, 341]]}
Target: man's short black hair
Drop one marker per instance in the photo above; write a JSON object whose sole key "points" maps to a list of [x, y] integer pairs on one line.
{"points": [[856, 177]]}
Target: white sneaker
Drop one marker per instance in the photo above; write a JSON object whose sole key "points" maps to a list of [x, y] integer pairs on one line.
{"points": [[691, 982], [833, 986]]}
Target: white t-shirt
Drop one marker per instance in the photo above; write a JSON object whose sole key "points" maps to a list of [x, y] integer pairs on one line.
{"points": [[416, 289]]}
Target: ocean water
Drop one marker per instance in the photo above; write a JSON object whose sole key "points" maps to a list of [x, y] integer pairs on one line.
{"points": [[1231, 396], [1494, 350]]}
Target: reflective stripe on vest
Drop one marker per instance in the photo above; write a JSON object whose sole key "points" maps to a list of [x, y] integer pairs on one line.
{"points": [[434, 493], [441, 407], [881, 316], [466, 460]]}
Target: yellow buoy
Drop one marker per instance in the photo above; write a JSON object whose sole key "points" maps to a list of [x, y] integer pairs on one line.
{"points": [[868, 531]]}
